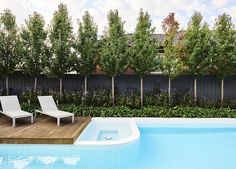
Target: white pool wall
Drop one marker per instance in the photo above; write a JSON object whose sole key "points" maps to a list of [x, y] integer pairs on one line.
{"points": [[92, 131], [128, 132]]}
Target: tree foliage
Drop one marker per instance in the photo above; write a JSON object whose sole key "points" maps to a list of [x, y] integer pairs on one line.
{"points": [[87, 46], [9, 43], [170, 62], [198, 46], [225, 51], [198, 50], [144, 51], [33, 38], [114, 52], [61, 39]]}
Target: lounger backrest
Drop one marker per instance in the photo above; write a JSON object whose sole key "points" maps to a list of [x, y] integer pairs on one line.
{"points": [[47, 103], [9, 103]]}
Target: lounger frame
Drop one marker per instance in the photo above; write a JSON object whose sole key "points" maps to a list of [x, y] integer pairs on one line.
{"points": [[49, 108], [11, 108]]}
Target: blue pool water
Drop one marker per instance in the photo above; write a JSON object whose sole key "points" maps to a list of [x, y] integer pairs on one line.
{"points": [[158, 148]]}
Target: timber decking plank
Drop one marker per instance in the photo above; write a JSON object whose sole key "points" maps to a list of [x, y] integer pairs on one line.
{"points": [[43, 131]]}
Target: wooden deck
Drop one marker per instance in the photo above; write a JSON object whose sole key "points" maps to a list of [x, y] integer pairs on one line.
{"points": [[44, 130]]}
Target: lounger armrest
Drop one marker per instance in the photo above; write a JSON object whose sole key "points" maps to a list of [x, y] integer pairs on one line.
{"points": [[74, 113], [37, 111], [67, 111]]}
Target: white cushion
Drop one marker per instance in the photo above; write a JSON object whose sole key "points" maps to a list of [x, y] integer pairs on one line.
{"points": [[58, 114], [47, 103], [17, 114], [10, 103]]}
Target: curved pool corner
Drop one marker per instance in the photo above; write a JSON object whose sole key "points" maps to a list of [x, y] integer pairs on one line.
{"points": [[133, 136]]}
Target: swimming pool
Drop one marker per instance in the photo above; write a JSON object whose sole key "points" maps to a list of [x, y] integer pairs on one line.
{"points": [[162, 145]]}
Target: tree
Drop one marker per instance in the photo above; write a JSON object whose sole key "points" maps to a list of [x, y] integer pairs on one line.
{"points": [[9, 45], [114, 52], [87, 47], [170, 63], [61, 38], [198, 43], [225, 52], [33, 37], [144, 49]]}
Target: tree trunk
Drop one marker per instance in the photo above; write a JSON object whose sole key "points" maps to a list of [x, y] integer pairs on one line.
{"points": [[35, 83], [141, 91], [7, 84], [222, 92], [195, 91], [113, 90], [61, 86], [169, 90], [85, 85]]}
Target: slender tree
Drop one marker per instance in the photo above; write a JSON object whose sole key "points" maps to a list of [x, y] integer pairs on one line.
{"points": [[33, 38], [170, 63], [9, 45], [61, 38], [144, 49], [197, 46], [87, 47], [114, 50], [225, 37]]}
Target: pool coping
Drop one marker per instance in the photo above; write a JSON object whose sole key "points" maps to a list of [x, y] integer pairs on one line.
{"points": [[169, 121]]}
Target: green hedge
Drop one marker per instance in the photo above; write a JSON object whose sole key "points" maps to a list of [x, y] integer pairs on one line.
{"points": [[101, 98], [150, 111]]}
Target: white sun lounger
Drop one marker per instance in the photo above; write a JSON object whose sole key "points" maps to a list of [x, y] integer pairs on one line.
{"points": [[49, 108], [11, 108]]}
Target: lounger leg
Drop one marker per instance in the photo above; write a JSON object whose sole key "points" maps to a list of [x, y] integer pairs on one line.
{"points": [[73, 119], [32, 119], [58, 121], [13, 122]]}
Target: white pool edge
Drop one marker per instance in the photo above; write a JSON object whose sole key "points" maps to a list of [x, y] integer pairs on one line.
{"points": [[154, 120]]}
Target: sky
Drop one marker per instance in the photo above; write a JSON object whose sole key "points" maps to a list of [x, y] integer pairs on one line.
{"points": [[128, 10]]}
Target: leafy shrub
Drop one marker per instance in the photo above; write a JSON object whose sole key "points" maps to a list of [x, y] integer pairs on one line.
{"points": [[100, 97], [150, 111], [132, 101], [183, 99], [29, 107]]}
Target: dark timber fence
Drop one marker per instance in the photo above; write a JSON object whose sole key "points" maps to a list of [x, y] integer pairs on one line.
{"points": [[208, 86]]}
